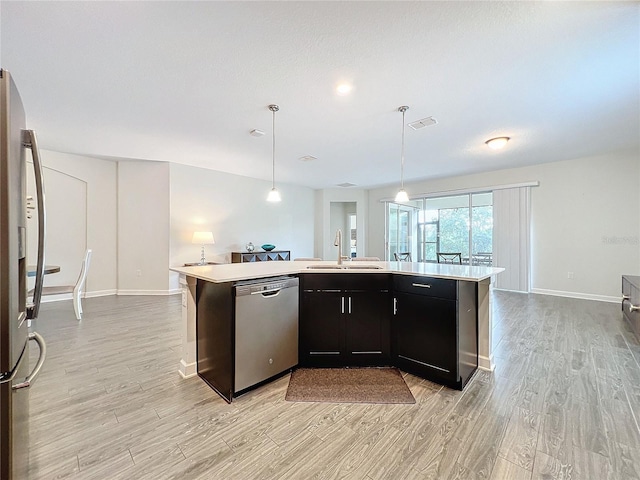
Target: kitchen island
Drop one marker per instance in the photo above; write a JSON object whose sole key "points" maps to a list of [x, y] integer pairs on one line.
{"points": [[443, 277]]}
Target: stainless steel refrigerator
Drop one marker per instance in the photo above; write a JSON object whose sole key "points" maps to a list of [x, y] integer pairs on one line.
{"points": [[16, 310]]}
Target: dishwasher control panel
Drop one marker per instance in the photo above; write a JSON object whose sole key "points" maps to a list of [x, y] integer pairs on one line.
{"points": [[265, 285]]}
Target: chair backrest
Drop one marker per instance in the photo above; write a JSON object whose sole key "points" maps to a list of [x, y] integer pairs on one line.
{"points": [[307, 259], [83, 271], [365, 259], [403, 257], [455, 257]]}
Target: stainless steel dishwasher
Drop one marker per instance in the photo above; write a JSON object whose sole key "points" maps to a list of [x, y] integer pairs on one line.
{"points": [[266, 329]]}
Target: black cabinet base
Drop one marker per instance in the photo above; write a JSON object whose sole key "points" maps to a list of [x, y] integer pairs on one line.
{"points": [[419, 369]]}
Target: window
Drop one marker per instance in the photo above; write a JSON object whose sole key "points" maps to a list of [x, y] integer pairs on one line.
{"points": [[447, 224]]}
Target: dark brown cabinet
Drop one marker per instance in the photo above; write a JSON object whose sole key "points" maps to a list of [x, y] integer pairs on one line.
{"points": [[425, 334], [321, 326], [344, 320], [434, 328], [367, 331], [272, 256], [631, 301]]}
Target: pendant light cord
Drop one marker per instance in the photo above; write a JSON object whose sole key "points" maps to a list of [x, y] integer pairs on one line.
{"points": [[402, 156], [273, 155], [402, 109], [274, 109]]}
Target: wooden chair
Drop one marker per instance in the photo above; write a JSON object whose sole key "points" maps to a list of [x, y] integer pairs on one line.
{"points": [[365, 259], [76, 289], [455, 258], [403, 257]]}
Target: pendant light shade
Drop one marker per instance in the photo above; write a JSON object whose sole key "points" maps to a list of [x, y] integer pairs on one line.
{"points": [[402, 194], [274, 194]]}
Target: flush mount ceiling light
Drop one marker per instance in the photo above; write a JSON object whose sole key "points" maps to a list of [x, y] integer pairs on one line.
{"points": [[497, 143], [274, 194], [402, 196], [308, 158], [256, 133]]}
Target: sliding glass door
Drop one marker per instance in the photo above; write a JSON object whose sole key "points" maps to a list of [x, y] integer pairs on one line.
{"points": [[401, 226], [459, 224]]}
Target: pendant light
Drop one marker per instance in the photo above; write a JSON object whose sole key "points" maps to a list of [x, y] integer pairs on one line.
{"points": [[402, 196], [274, 194]]}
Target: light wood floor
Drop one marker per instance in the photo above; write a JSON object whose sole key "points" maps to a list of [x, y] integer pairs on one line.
{"points": [[563, 403]]}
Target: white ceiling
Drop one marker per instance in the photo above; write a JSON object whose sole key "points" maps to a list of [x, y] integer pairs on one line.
{"points": [[186, 82]]}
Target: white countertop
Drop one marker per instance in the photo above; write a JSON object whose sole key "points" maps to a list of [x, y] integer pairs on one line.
{"points": [[232, 272]]}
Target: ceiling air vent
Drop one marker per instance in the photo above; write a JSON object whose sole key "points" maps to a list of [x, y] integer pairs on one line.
{"points": [[346, 185], [425, 122]]}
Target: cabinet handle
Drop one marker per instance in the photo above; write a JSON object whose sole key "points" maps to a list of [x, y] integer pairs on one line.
{"points": [[633, 308], [423, 285], [625, 297], [349, 305], [395, 306], [342, 309]]}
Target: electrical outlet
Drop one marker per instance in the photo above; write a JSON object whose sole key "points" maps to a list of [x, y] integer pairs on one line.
{"points": [[138, 273], [570, 275]]}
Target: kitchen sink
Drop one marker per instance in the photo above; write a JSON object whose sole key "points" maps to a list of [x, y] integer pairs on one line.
{"points": [[344, 267]]}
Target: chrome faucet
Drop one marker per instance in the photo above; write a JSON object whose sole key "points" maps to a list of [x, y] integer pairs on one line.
{"points": [[338, 243]]}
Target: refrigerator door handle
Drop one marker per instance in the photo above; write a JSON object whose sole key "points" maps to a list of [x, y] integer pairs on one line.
{"points": [[30, 141], [28, 381]]}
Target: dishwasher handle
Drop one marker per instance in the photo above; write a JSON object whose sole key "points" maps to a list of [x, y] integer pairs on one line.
{"points": [[268, 294]]}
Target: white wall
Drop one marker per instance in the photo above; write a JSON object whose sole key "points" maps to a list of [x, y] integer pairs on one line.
{"points": [[81, 213], [339, 219], [139, 216], [235, 209], [143, 227], [585, 220], [325, 234]]}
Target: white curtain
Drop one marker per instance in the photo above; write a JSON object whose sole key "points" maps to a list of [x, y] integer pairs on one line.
{"points": [[512, 238]]}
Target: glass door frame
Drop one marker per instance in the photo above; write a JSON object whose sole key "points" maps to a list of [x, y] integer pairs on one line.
{"points": [[417, 244]]}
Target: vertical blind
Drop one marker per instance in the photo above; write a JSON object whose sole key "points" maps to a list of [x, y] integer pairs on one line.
{"points": [[512, 238]]}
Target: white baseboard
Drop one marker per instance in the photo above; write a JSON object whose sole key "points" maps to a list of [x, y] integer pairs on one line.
{"points": [[150, 292], [69, 296], [583, 296], [106, 293], [187, 370], [486, 363], [98, 293]]}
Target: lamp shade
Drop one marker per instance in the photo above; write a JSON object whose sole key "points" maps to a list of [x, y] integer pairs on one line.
{"points": [[203, 238]]}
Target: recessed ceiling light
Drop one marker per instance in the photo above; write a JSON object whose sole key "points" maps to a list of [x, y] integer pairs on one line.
{"points": [[256, 133], [346, 185], [344, 89], [307, 158], [497, 143]]}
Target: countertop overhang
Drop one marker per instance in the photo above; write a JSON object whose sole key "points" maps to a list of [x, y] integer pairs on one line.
{"points": [[233, 272]]}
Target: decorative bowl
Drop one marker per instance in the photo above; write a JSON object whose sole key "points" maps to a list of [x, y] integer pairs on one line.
{"points": [[267, 247]]}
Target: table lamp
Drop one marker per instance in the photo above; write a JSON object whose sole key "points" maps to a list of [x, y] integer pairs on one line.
{"points": [[203, 238]]}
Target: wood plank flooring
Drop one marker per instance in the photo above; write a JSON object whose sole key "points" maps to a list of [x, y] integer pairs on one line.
{"points": [[563, 403]]}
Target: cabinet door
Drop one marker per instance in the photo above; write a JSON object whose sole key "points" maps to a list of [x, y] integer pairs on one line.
{"points": [[322, 329], [425, 335], [367, 328]]}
